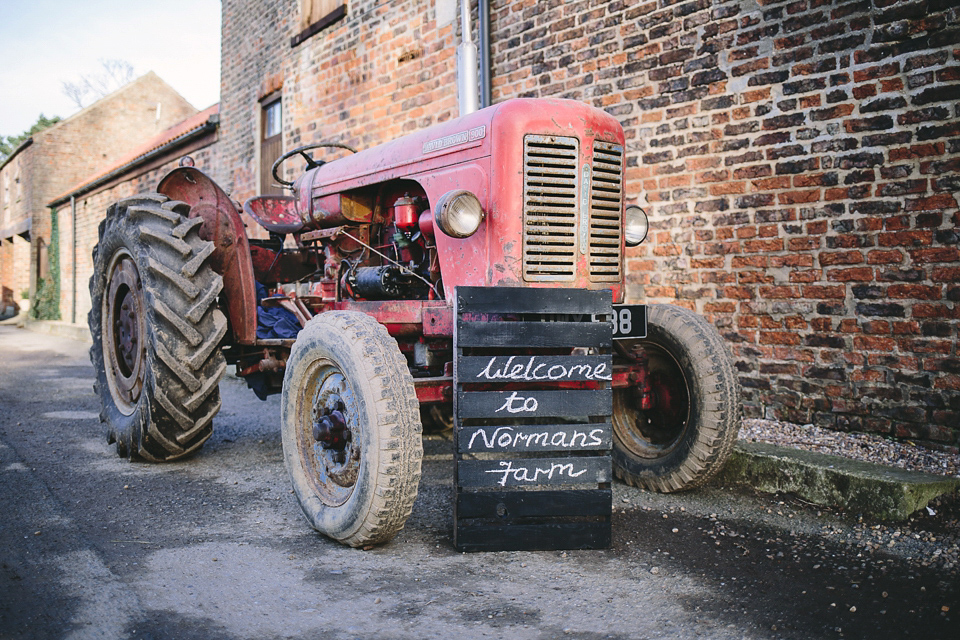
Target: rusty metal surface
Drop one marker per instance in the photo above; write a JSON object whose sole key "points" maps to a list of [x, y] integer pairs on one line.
{"points": [[277, 214], [434, 390], [231, 258], [480, 152], [400, 317]]}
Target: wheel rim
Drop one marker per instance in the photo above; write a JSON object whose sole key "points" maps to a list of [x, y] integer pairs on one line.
{"points": [[124, 332], [656, 432], [328, 433]]}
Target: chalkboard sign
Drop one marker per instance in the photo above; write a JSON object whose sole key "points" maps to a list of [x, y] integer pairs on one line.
{"points": [[533, 373]]}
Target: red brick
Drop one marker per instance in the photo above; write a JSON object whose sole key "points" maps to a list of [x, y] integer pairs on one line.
{"points": [[893, 256], [873, 343], [825, 292], [794, 197], [914, 291], [933, 203], [856, 274], [840, 257], [754, 246]]}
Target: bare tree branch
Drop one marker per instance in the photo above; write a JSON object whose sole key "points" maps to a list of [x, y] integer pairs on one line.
{"points": [[114, 74]]}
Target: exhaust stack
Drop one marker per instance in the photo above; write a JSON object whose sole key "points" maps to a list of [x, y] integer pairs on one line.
{"points": [[467, 81]]}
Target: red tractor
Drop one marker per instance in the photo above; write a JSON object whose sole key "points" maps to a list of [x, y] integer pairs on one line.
{"points": [[347, 307]]}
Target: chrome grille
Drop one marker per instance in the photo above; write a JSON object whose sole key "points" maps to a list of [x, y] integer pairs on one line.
{"points": [[550, 207], [605, 210]]}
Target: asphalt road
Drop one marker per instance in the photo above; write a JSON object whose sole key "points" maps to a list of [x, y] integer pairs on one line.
{"points": [[92, 546]]}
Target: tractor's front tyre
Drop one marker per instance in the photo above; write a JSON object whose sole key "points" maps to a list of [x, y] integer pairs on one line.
{"points": [[351, 429], [687, 435], [156, 329]]}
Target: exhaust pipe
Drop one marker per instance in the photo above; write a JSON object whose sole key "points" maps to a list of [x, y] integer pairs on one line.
{"points": [[467, 80]]}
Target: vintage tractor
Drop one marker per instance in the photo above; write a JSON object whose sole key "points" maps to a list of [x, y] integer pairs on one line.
{"points": [[346, 306]]}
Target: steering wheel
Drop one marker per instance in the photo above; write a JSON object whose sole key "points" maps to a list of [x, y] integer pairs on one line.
{"points": [[302, 152]]}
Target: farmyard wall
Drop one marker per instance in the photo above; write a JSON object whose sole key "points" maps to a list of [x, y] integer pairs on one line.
{"points": [[800, 162]]}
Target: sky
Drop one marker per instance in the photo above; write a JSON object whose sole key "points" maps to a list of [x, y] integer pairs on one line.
{"points": [[44, 43]]}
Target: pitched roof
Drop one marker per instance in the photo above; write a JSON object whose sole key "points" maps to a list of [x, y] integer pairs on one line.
{"points": [[179, 133]]}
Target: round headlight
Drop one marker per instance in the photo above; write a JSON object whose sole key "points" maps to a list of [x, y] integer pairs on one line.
{"points": [[635, 227], [458, 213]]}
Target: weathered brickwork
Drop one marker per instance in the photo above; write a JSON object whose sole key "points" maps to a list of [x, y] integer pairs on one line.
{"points": [[69, 151], [799, 159], [91, 209], [383, 71]]}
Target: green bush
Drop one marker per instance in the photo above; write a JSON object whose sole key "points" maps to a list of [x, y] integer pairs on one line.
{"points": [[46, 302]]}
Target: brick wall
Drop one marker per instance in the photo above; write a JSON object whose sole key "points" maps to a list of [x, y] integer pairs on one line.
{"points": [[90, 210], [75, 148], [800, 160], [382, 71]]}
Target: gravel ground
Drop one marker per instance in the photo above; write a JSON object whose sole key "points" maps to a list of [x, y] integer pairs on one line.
{"points": [[856, 446], [929, 539]]}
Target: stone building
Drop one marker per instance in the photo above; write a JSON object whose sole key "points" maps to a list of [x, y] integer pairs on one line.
{"points": [[80, 209], [799, 160], [48, 163]]}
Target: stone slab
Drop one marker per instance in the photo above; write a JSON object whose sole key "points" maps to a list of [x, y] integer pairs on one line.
{"points": [[874, 490], [78, 332]]}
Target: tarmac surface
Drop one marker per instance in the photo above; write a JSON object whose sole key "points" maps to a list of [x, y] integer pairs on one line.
{"points": [[92, 546]]}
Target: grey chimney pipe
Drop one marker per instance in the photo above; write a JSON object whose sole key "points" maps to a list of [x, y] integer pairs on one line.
{"points": [[467, 81]]}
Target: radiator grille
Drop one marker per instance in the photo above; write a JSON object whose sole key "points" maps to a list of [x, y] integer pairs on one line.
{"points": [[550, 207], [552, 200], [605, 210]]}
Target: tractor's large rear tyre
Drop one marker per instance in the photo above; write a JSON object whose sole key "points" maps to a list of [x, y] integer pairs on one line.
{"points": [[686, 437], [357, 479], [156, 329]]}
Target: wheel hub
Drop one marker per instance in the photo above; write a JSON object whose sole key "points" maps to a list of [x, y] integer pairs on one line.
{"points": [[657, 406], [124, 331], [331, 431], [336, 452]]}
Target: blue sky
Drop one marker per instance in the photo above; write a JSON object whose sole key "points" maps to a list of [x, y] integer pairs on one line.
{"points": [[46, 42]]}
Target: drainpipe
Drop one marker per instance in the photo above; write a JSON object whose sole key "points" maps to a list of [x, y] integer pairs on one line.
{"points": [[484, 35], [73, 259], [467, 82]]}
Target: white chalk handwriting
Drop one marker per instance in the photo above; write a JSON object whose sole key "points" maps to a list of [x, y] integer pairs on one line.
{"points": [[527, 369], [511, 438], [525, 474]]}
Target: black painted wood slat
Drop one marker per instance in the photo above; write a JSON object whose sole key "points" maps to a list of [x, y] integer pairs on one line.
{"points": [[533, 537], [528, 300], [512, 439], [509, 505], [535, 404], [534, 472], [535, 368], [534, 334]]}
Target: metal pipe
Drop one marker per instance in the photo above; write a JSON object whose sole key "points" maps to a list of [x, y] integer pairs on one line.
{"points": [[483, 35], [467, 82], [73, 260]]}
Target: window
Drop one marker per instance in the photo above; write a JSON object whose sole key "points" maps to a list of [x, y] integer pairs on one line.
{"points": [[317, 15], [271, 145]]}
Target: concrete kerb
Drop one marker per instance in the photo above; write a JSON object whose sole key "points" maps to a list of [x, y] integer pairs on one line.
{"points": [[78, 332], [873, 490], [877, 491]]}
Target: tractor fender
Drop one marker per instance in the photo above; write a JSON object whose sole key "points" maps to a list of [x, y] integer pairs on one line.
{"points": [[223, 226]]}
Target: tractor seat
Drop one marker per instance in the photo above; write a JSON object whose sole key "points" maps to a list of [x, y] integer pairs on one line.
{"points": [[276, 214]]}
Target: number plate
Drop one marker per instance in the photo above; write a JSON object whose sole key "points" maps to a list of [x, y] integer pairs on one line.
{"points": [[629, 321]]}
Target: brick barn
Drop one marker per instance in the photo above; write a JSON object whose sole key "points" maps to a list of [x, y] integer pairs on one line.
{"points": [[54, 159], [799, 161], [80, 209]]}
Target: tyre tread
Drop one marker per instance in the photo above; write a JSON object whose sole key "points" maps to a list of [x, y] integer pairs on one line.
{"points": [[184, 328]]}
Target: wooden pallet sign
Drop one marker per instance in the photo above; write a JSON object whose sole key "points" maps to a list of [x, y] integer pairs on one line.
{"points": [[532, 419]]}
